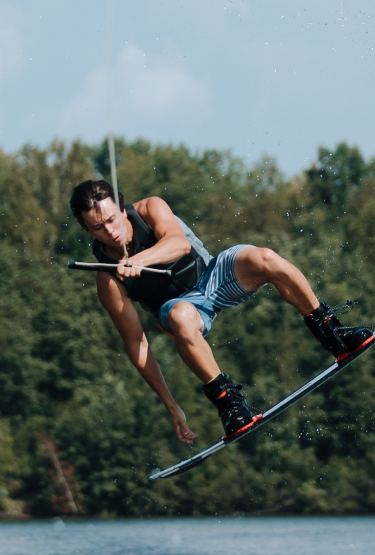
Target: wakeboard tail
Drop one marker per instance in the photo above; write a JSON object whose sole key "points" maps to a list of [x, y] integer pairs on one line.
{"points": [[282, 405]]}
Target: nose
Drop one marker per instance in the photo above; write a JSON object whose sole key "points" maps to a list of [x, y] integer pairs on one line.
{"points": [[108, 228]]}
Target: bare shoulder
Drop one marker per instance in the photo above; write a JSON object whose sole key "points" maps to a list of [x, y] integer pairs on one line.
{"points": [[141, 206], [158, 215], [152, 207]]}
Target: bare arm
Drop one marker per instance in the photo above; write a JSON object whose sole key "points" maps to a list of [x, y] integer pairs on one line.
{"points": [[172, 243], [123, 314]]}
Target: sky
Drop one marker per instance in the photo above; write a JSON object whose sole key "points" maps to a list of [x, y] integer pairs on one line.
{"points": [[259, 78]]}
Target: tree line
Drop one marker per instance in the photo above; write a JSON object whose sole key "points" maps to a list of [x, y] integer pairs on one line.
{"points": [[78, 423]]}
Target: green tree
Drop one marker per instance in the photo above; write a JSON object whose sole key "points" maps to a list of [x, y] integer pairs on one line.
{"points": [[337, 175], [64, 370]]}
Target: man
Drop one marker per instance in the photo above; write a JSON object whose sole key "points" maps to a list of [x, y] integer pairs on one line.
{"points": [[187, 303]]}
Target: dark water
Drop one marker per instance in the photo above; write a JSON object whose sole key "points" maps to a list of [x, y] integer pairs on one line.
{"points": [[203, 536]]}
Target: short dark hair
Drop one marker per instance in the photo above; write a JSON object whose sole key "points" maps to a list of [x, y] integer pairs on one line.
{"points": [[88, 194]]}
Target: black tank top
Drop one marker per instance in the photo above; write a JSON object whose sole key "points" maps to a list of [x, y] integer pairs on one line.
{"points": [[153, 290]]}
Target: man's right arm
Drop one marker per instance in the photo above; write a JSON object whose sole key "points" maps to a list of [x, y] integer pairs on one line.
{"points": [[114, 299]]}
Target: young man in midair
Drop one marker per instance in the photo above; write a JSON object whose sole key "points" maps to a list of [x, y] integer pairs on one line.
{"points": [[187, 303]]}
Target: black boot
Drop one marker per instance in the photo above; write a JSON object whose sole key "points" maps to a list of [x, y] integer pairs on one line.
{"points": [[329, 331], [233, 410]]}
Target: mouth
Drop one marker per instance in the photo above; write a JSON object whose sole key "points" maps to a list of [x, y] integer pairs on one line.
{"points": [[117, 239]]}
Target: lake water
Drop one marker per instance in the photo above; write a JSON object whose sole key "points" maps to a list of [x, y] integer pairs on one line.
{"points": [[191, 536]]}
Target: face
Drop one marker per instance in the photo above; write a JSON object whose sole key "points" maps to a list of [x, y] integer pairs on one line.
{"points": [[105, 224]]}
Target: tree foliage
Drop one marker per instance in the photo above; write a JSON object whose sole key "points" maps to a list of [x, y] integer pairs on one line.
{"points": [[64, 371]]}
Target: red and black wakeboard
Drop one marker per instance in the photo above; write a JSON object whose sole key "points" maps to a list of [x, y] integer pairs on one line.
{"points": [[309, 386]]}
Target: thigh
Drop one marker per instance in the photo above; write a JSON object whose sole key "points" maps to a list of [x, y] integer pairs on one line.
{"points": [[249, 268], [221, 285]]}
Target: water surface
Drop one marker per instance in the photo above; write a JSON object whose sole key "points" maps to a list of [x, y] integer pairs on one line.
{"points": [[191, 536]]}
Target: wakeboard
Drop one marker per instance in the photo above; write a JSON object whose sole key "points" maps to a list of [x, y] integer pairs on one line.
{"points": [[339, 364]]}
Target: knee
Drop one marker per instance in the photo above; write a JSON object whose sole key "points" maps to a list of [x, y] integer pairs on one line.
{"points": [[268, 263], [183, 319]]}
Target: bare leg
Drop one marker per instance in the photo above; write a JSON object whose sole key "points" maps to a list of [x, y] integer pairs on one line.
{"points": [[255, 266], [194, 350]]}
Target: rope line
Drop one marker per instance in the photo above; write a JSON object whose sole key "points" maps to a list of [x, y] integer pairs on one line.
{"points": [[112, 158], [111, 140]]}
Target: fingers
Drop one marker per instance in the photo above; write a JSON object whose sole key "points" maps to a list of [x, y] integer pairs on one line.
{"points": [[184, 434], [187, 436], [191, 435], [127, 271], [186, 440]]}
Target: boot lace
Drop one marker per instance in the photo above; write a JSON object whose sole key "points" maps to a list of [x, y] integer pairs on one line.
{"points": [[235, 389], [344, 308]]}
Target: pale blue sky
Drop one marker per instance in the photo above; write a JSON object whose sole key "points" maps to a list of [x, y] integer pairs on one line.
{"points": [[267, 77]]}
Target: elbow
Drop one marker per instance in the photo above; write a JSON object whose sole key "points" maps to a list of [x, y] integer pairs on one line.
{"points": [[187, 248]]}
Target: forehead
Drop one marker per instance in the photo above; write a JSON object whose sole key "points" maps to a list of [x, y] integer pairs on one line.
{"points": [[106, 209]]}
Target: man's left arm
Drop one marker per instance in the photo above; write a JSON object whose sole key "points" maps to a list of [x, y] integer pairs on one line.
{"points": [[172, 243]]}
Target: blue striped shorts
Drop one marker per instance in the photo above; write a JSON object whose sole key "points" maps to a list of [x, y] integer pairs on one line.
{"points": [[216, 289]]}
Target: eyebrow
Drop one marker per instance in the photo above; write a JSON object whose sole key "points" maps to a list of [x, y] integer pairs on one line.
{"points": [[104, 221]]}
